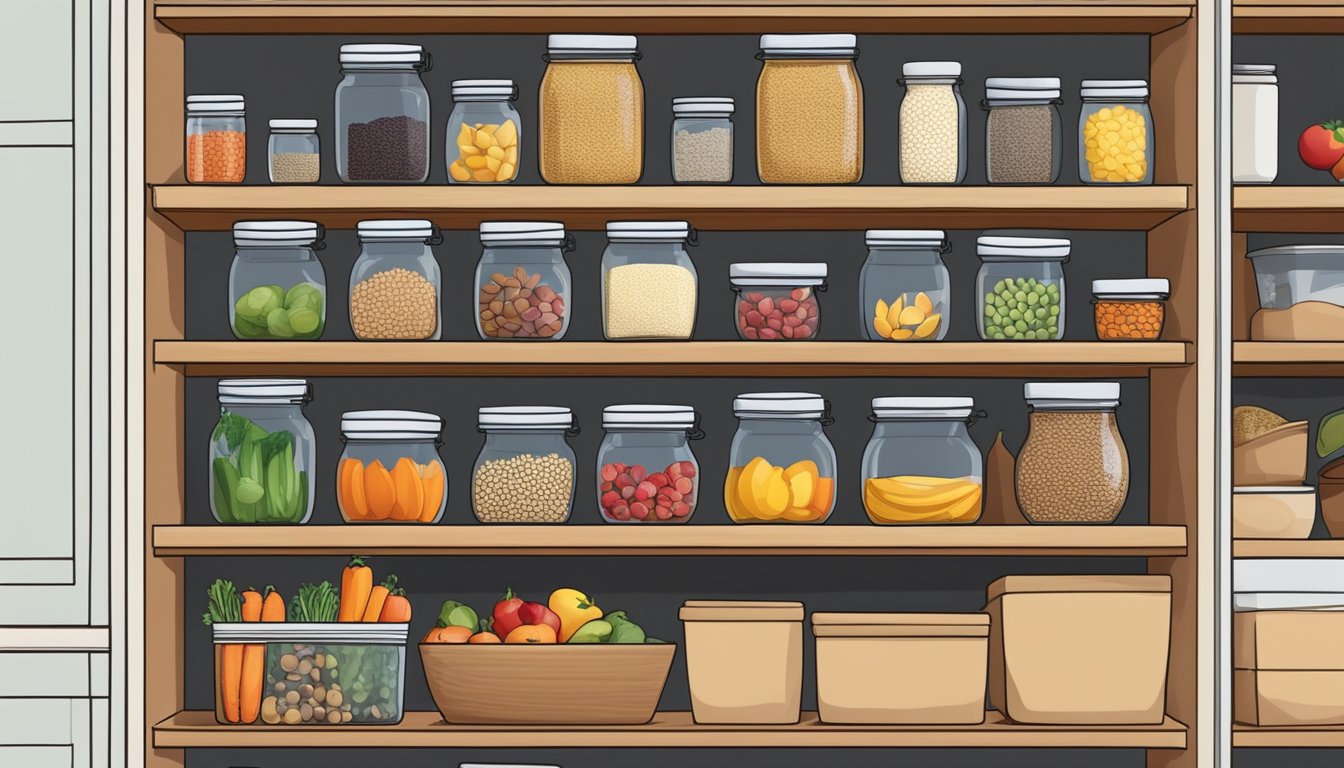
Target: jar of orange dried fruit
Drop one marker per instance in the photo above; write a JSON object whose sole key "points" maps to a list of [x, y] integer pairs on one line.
{"points": [[216, 139], [781, 464], [390, 470], [1130, 310]]}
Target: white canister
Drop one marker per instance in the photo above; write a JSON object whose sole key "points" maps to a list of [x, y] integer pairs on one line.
{"points": [[1255, 123]]}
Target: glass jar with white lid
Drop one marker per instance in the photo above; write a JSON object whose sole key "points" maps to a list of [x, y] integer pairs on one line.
{"points": [[1023, 133], [921, 465], [781, 465], [1115, 127], [777, 301], [277, 286], [591, 110], [262, 453], [1021, 288], [485, 132], [904, 288], [1073, 467], [523, 281], [216, 139], [649, 283], [809, 110], [646, 471], [931, 129], [525, 471], [1255, 123], [390, 470], [702, 140], [382, 114], [395, 284], [294, 152]]}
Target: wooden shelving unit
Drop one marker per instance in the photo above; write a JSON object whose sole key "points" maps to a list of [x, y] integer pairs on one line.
{"points": [[1287, 209], [1287, 358], [1288, 738], [1287, 548], [1287, 17]]}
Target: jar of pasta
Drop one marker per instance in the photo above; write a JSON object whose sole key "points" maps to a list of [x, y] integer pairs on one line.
{"points": [[932, 125], [592, 111], [484, 132], [809, 110], [1115, 133], [905, 292]]}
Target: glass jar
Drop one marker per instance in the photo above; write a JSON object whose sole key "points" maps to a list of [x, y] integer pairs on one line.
{"points": [[1073, 468], [485, 132], [781, 466], [295, 152], [932, 123], [395, 287], [277, 287], [1115, 133], [649, 284], [382, 114], [809, 110], [777, 301], [525, 472], [646, 472], [921, 465], [592, 111], [216, 139], [1130, 310], [1255, 123], [702, 140], [262, 453], [904, 289], [1021, 287], [523, 280], [390, 470], [1023, 133]]}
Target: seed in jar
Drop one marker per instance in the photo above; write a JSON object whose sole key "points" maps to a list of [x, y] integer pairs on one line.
{"points": [[486, 153], [296, 167], [1022, 309], [523, 489], [705, 156], [394, 304], [293, 716], [900, 321], [520, 306], [392, 148], [649, 301], [1073, 468], [1115, 145], [630, 493], [269, 714], [930, 135], [775, 315], [592, 123], [1128, 319], [289, 662], [1021, 144], [217, 157], [809, 122]]}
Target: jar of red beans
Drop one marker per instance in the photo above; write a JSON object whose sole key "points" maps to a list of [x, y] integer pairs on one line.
{"points": [[777, 301], [646, 472]]}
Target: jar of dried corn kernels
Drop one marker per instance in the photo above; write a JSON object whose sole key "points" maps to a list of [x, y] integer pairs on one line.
{"points": [[1115, 133], [1130, 310]]}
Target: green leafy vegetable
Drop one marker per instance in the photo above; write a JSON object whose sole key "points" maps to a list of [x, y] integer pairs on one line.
{"points": [[258, 481], [455, 614], [623, 630], [315, 603], [1330, 434], [223, 604]]}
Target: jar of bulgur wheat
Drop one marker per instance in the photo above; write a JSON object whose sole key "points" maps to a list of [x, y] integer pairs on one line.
{"points": [[592, 111], [1073, 467], [395, 285], [525, 471], [809, 110], [932, 125]]}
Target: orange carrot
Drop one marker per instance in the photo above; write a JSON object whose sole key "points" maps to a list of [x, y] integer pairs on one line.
{"points": [[356, 585], [230, 680], [251, 672], [397, 608], [376, 598], [273, 607]]}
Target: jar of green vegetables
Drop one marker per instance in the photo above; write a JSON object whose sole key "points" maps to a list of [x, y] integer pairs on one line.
{"points": [[262, 453]]}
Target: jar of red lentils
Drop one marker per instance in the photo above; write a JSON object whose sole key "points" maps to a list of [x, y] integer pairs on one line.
{"points": [[216, 139], [1130, 310]]}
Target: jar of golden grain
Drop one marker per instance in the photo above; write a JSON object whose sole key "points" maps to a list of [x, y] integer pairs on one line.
{"points": [[809, 110], [592, 111], [1073, 468]]}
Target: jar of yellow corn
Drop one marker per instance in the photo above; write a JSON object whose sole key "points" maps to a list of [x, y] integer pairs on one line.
{"points": [[1115, 133]]}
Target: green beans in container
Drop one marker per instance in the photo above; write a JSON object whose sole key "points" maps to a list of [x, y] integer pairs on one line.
{"points": [[1021, 288]]}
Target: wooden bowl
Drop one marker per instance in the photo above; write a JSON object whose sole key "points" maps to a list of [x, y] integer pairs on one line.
{"points": [[1278, 457], [584, 684]]}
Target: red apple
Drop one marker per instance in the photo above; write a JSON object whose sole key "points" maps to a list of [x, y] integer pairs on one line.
{"points": [[506, 614], [536, 613]]}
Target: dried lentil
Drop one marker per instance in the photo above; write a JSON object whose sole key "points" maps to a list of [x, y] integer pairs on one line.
{"points": [[809, 122], [592, 123], [523, 489], [649, 301], [1021, 144], [394, 304], [217, 157], [1073, 468], [520, 306], [703, 155], [930, 135], [1129, 319], [387, 149], [296, 167]]}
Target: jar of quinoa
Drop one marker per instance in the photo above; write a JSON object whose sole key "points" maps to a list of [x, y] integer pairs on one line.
{"points": [[592, 111], [525, 471], [395, 285], [809, 110], [1073, 467]]}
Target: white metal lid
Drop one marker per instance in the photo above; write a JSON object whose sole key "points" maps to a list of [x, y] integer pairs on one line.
{"points": [[1073, 394], [1296, 575], [1255, 69], [484, 89], [273, 233], [1146, 287], [1021, 88], [932, 238], [395, 229], [802, 45], [1255, 490], [648, 231], [298, 124], [1114, 89], [352, 633], [1299, 250], [598, 44], [923, 407], [932, 69], [384, 54], [216, 102], [1052, 248], [673, 417], [1243, 602], [777, 274], [503, 417], [390, 425], [779, 405], [539, 233], [263, 391], [704, 106]]}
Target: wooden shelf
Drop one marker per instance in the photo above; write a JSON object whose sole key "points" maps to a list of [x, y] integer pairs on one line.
{"points": [[1287, 358], [1288, 209], [198, 729], [511, 540], [1287, 17], [1287, 548], [1301, 737], [708, 208]]}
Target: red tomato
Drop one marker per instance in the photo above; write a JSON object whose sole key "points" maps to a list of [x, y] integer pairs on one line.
{"points": [[1322, 145]]}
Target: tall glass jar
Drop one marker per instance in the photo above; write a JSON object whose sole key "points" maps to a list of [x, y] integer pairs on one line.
{"points": [[702, 140], [523, 281], [1021, 288], [1115, 133], [649, 284], [809, 110], [525, 471], [216, 139], [485, 133], [932, 127], [262, 453], [1073, 467], [1023, 133], [277, 287], [390, 470], [382, 114], [1255, 123], [777, 301], [905, 292], [592, 111], [395, 285], [294, 152], [646, 472], [921, 465], [781, 466]]}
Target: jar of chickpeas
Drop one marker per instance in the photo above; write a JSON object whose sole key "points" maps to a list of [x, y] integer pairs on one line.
{"points": [[1115, 133], [809, 110], [592, 111]]}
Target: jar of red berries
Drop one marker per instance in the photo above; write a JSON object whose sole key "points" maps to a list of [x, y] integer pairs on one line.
{"points": [[777, 302], [646, 472]]}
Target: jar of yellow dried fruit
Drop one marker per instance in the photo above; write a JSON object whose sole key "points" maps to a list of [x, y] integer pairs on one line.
{"points": [[904, 288], [1115, 133], [484, 132]]}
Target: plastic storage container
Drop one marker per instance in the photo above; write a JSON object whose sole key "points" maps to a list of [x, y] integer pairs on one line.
{"points": [[702, 140], [1024, 138], [1115, 133], [1255, 123], [777, 301], [1073, 467], [277, 286], [294, 152], [523, 280], [592, 111], [1273, 511], [1301, 289], [781, 466], [809, 110], [1130, 310], [216, 139], [901, 668], [1079, 650], [1021, 284], [904, 288], [921, 465], [525, 471], [485, 133], [395, 285], [262, 453], [390, 470], [649, 283], [744, 661], [932, 128], [646, 472], [382, 114]]}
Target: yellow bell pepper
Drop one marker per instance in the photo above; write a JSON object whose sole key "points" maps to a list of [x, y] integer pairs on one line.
{"points": [[574, 609]]}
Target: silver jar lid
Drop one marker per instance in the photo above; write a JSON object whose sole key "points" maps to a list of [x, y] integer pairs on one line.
{"points": [[263, 391]]}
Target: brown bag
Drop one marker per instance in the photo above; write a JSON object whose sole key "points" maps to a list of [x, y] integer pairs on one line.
{"points": [[1000, 496]]}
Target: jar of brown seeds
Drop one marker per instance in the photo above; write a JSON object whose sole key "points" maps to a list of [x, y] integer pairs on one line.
{"points": [[1023, 132], [1073, 467], [395, 285]]}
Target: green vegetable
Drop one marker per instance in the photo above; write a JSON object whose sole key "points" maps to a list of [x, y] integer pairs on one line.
{"points": [[594, 631], [315, 603], [1330, 434], [223, 604], [258, 481], [1022, 309], [623, 630], [455, 614], [271, 312]]}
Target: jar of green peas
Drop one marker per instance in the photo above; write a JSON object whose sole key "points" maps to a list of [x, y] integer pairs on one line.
{"points": [[1021, 288]]}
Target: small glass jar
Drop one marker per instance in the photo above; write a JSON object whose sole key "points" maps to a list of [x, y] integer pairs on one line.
{"points": [[262, 453], [809, 110], [1073, 467], [277, 286], [395, 285], [1130, 310], [592, 111], [485, 132], [1255, 123], [904, 289], [523, 281], [932, 124], [382, 114], [777, 301], [1021, 288], [1115, 133], [1024, 138], [525, 471], [295, 152], [390, 470], [702, 140], [216, 139], [781, 466], [921, 466], [646, 472], [649, 284]]}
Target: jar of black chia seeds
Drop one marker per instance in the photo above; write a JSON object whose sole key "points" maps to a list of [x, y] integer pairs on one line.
{"points": [[382, 114], [1023, 132]]}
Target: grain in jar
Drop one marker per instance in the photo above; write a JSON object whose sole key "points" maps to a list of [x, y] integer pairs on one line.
{"points": [[809, 110], [932, 124], [525, 471], [702, 140], [649, 284], [1022, 130], [395, 283], [592, 111], [295, 152], [1073, 467]]}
